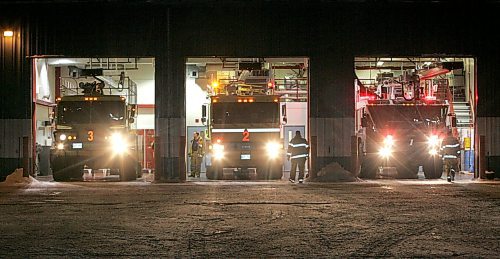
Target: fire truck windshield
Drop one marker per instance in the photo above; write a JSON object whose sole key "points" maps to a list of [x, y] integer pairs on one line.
{"points": [[245, 113], [91, 112]]}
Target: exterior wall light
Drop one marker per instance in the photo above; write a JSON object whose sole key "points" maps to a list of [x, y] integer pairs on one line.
{"points": [[8, 33]]}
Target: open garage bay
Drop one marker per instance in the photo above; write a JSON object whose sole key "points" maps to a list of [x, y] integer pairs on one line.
{"points": [[247, 219]]}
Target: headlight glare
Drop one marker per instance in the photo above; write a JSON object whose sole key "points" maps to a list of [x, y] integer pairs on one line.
{"points": [[118, 143], [60, 146], [218, 151], [62, 137], [385, 152], [433, 141], [273, 149], [389, 141]]}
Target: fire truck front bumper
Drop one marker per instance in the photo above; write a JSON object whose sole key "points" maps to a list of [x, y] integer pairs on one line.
{"points": [[90, 159]]}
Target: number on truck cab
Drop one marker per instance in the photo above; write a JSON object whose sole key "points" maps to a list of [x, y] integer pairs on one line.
{"points": [[246, 136]]}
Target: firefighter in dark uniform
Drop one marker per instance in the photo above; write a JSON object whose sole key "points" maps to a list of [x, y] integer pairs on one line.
{"points": [[450, 150], [298, 151]]}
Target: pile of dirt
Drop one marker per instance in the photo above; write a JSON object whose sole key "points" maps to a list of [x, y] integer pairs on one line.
{"points": [[334, 172], [17, 179]]}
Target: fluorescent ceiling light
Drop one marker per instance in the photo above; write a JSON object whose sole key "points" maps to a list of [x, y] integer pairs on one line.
{"points": [[8, 33], [380, 63], [62, 61], [428, 63]]}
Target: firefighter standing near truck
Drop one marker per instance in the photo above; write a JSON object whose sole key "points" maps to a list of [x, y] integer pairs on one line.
{"points": [[298, 151], [196, 154], [450, 150]]}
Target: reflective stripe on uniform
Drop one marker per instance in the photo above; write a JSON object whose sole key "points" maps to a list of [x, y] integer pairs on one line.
{"points": [[299, 145], [299, 156], [449, 156], [451, 146]]}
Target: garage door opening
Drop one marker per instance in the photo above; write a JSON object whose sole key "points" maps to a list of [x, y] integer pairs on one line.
{"points": [[245, 111], [94, 118], [406, 106]]}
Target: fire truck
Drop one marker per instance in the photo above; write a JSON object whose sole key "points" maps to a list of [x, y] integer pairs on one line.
{"points": [[93, 131], [403, 122], [244, 129]]}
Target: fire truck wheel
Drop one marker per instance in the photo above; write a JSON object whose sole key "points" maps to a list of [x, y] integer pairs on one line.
{"points": [[214, 173], [67, 174], [369, 168], [138, 170], [262, 173], [59, 177], [210, 173], [275, 172], [61, 171], [128, 171], [433, 169]]}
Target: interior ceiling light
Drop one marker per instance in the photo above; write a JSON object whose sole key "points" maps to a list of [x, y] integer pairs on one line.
{"points": [[380, 63], [62, 61], [8, 33]]}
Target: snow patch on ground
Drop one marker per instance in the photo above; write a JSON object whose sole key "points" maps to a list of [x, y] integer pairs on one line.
{"points": [[16, 179], [334, 172]]}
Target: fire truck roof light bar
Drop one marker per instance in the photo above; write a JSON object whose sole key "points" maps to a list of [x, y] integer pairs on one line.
{"points": [[241, 130]]}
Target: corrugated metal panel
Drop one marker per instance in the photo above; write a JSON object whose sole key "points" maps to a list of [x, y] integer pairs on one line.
{"points": [[331, 34], [15, 90], [95, 30], [12, 132], [333, 135], [490, 128]]}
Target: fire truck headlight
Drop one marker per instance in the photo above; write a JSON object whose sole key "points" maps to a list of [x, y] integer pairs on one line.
{"points": [[433, 141], [62, 137], [273, 149], [60, 146], [433, 152], [389, 141], [385, 152], [119, 144], [218, 151]]}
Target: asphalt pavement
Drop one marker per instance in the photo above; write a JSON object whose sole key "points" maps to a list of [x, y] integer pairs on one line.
{"points": [[380, 218]]}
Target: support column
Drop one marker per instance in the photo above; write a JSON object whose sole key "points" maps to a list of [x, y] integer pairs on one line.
{"points": [[332, 142], [331, 121], [170, 112]]}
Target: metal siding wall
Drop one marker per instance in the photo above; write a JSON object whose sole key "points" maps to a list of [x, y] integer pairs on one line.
{"points": [[15, 92], [488, 85], [331, 34], [333, 139], [11, 133], [15, 88], [97, 30], [490, 128]]}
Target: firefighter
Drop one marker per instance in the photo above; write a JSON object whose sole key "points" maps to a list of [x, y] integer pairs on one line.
{"points": [[298, 151], [196, 154], [450, 149]]}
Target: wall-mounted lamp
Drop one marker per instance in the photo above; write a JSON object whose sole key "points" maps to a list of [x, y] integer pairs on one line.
{"points": [[8, 33]]}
